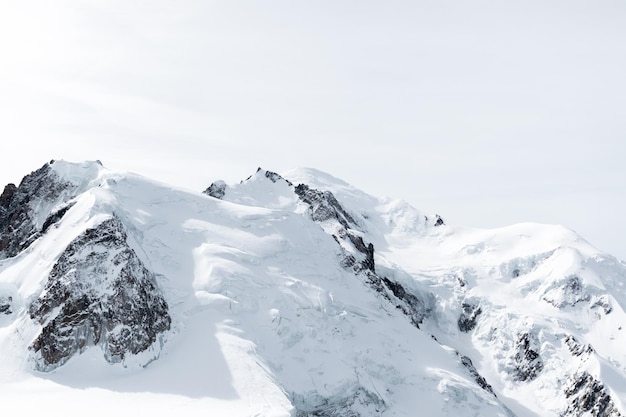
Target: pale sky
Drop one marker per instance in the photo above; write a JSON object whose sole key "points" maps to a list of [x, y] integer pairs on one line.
{"points": [[486, 112]]}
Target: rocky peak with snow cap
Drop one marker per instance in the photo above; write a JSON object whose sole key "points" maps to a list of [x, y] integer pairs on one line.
{"points": [[296, 294], [18, 208], [40, 200]]}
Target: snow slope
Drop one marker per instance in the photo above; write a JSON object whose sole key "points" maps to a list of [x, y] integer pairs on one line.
{"points": [[300, 300]]}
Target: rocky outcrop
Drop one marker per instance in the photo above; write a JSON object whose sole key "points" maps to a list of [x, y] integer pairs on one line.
{"points": [[365, 251], [602, 303], [6, 302], [415, 308], [480, 380], [98, 293], [216, 190], [469, 316], [7, 197], [18, 228], [569, 292], [576, 348], [55, 217], [527, 361], [587, 396], [274, 177], [324, 207]]}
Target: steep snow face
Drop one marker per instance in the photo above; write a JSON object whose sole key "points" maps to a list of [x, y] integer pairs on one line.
{"points": [[296, 295], [519, 292]]}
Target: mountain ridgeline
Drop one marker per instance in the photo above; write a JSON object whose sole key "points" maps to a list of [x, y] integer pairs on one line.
{"points": [[322, 300]]}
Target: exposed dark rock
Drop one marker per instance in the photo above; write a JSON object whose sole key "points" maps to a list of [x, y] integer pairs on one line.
{"points": [[469, 315], [17, 223], [588, 397], [528, 363], [98, 293], [573, 290], [570, 293], [216, 189], [576, 348], [348, 261], [324, 206], [461, 281], [603, 303], [55, 217], [415, 308], [358, 243], [367, 250], [367, 264], [480, 380], [438, 220], [7, 197], [274, 177], [6, 304]]}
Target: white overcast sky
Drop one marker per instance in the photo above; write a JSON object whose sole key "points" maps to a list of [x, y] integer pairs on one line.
{"points": [[486, 112]]}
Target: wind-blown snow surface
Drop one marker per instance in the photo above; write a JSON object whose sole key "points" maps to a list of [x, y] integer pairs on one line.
{"points": [[276, 309]]}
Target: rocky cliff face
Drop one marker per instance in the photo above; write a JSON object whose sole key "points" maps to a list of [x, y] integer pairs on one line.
{"points": [[5, 304], [359, 255], [588, 396], [19, 206], [98, 293], [216, 189]]}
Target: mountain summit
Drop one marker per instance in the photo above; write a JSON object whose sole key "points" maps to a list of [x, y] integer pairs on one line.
{"points": [[294, 294]]}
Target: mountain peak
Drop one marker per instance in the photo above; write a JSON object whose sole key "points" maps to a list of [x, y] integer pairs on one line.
{"points": [[272, 176], [77, 173], [315, 178], [296, 294]]}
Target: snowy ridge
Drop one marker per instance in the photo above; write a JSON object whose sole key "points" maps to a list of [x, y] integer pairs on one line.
{"points": [[296, 295]]}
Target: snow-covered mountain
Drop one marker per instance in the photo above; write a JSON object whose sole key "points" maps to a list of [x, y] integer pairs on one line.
{"points": [[294, 295]]}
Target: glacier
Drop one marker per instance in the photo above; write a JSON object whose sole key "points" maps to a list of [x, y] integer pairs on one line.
{"points": [[294, 294]]}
